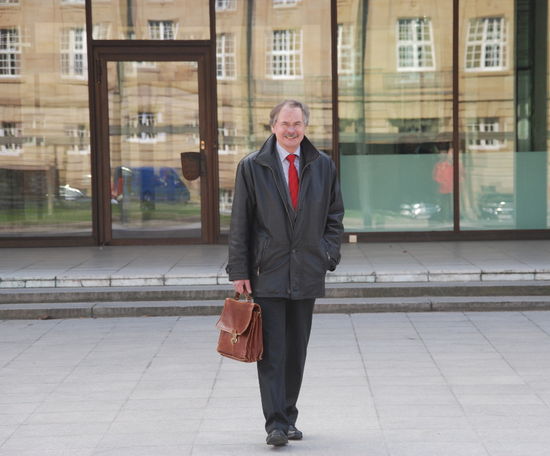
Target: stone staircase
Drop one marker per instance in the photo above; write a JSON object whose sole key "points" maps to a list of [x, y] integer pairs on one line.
{"points": [[96, 302]]}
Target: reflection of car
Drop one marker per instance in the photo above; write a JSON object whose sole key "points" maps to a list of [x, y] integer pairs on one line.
{"points": [[496, 206], [68, 193], [419, 210], [148, 184]]}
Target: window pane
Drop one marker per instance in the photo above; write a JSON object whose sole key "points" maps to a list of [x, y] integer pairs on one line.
{"points": [[486, 42], [150, 197], [45, 174], [225, 5], [415, 48], [153, 19], [405, 29], [395, 117], [10, 51], [73, 52], [225, 55], [487, 109], [282, 50]]}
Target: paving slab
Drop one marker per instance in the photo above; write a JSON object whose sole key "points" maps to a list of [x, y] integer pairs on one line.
{"points": [[382, 384]]}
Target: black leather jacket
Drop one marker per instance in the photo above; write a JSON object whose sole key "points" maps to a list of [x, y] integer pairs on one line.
{"points": [[285, 253]]}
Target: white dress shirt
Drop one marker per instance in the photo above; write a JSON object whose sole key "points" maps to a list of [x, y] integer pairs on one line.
{"points": [[285, 163]]}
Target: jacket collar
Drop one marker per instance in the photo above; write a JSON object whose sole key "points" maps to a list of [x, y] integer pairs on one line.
{"points": [[267, 155]]}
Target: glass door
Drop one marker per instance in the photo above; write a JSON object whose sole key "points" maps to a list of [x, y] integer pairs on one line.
{"points": [[154, 175]]}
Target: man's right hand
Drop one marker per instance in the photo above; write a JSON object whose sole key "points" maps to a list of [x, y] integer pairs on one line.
{"points": [[242, 286]]}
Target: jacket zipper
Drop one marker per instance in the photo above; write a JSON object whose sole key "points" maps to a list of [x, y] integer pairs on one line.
{"points": [[280, 193], [302, 171]]}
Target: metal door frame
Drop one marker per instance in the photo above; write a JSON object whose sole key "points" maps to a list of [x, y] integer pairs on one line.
{"points": [[151, 51]]}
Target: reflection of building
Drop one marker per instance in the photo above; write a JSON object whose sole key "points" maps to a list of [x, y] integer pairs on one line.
{"points": [[390, 83], [405, 98], [45, 110]]}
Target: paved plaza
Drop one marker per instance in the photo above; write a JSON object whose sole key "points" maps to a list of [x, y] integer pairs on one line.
{"points": [[182, 265], [378, 384]]}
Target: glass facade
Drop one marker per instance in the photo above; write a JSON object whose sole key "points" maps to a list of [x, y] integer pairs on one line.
{"points": [[395, 115], [487, 111], [436, 112], [150, 20], [265, 52], [45, 167]]}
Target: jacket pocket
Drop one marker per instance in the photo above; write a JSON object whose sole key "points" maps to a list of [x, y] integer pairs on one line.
{"points": [[330, 262], [325, 254]]}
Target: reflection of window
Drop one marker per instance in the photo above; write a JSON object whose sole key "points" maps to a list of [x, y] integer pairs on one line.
{"points": [[225, 5], [10, 52], [9, 2], [101, 31], [162, 30], [73, 52], [143, 65], [285, 58], [146, 124], [143, 128], [225, 55], [278, 3], [227, 134], [78, 135], [73, 2], [8, 132], [77, 131], [420, 125], [483, 134], [415, 44], [346, 61], [226, 200], [486, 45]]}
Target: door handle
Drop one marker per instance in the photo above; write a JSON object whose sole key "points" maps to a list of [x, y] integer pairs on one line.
{"points": [[192, 165]]}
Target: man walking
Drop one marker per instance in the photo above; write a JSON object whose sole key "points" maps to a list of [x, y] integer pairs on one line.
{"points": [[286, 228]]}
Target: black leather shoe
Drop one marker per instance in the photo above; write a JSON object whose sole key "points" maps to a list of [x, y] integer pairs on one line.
{"points": [[294, 434], [276, 438]]}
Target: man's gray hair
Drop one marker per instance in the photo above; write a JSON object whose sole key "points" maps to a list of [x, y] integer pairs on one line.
{"points": [[274, 114]]}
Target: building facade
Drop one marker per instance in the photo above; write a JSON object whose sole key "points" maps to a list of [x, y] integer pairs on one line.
{"points": [[122, 122]]}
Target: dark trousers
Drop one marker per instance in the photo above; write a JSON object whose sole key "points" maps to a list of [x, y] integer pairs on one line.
{"points": [[286, 327]]}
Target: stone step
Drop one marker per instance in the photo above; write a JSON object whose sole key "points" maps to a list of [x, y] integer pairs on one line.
{"points": [[324, 305], [354, 272], [219, 292]]}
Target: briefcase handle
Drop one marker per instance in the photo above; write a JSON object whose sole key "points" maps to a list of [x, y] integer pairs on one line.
{"points": [[246, 295]]}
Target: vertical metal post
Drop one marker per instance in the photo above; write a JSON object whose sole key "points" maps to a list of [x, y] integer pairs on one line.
{"points": [[456, 120]]}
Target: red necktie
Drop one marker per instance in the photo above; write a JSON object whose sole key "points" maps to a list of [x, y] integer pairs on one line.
{"points": [[293, 184]]}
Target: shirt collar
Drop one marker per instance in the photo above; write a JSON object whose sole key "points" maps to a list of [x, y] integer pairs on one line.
{"points": [[283, 153]]}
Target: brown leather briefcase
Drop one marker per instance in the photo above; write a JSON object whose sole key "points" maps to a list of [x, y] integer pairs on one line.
{"points": [[240, 326]]}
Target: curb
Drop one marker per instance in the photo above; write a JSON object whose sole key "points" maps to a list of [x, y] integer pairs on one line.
{"points": [[220, 292], [47, 311], [422, 275]]}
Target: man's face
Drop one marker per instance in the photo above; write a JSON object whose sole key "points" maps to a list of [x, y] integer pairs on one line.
{"points": [[289, 128]]}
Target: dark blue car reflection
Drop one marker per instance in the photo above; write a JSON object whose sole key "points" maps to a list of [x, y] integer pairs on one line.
{"points": [[148, 184]]}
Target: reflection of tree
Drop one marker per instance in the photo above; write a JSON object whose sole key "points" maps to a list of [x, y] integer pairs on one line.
{"points": [[249, 134], [359, 85], [130, 32]]}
